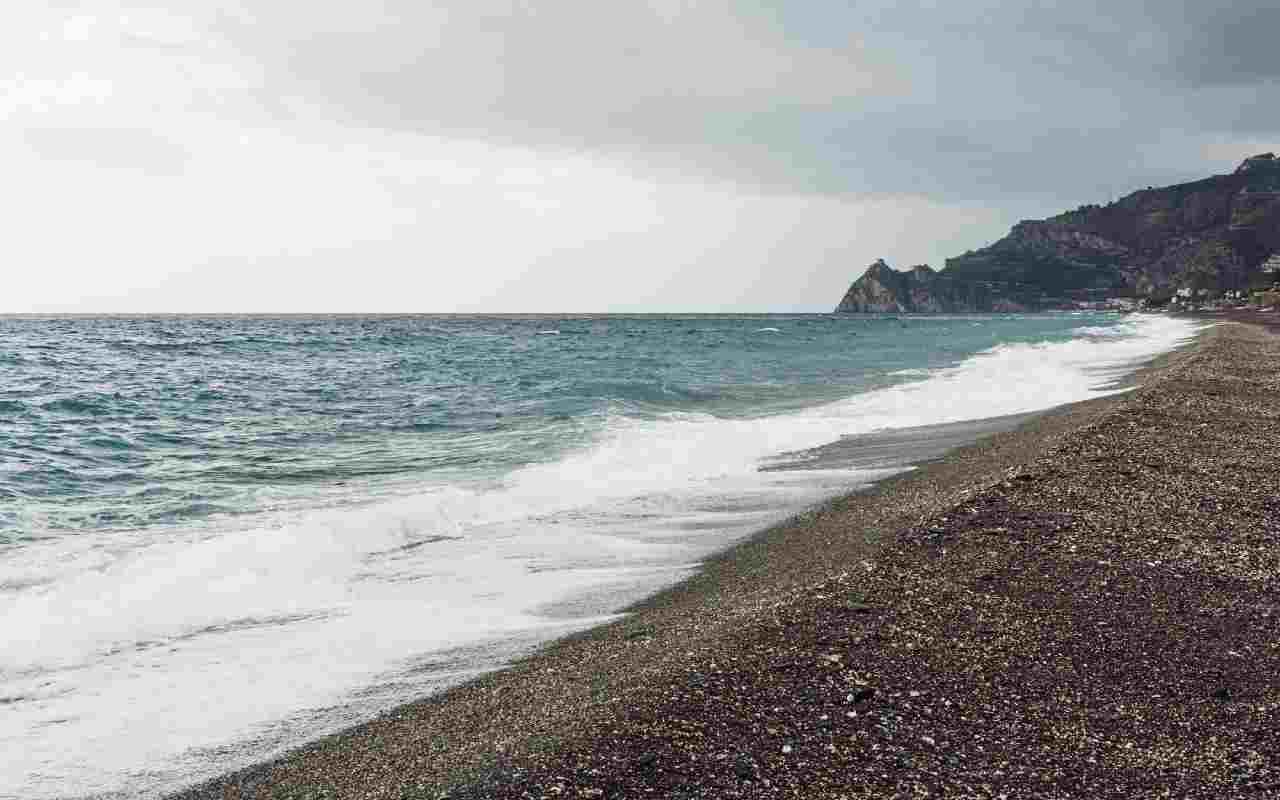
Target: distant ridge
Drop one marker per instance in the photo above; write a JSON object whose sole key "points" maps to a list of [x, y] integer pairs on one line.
{"points": [[1213, 234]]}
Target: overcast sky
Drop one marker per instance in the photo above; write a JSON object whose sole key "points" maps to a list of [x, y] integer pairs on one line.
{"points": [[471, 156]]}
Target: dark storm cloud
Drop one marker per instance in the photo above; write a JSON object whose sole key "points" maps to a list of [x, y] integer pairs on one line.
{"points": [[1000, 103], [1175, 42], [1236, 48]]}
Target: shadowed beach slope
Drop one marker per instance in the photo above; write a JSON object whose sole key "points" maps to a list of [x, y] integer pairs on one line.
{"points": [[1087, 606]]}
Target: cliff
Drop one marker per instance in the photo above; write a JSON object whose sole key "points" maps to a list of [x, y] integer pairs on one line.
{"points": [[883, 289], [1209, 234]]}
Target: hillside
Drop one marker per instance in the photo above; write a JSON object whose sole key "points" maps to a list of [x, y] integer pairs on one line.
{"points": [[1208, 234]]}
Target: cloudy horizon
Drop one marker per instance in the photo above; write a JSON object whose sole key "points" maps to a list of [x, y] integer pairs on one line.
{"points": [[660, 156]]}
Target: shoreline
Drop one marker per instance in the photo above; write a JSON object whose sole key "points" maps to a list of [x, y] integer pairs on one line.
{"points": [[494, 726]]}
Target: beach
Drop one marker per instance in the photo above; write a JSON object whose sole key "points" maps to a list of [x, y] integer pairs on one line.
{"points": [[468, 492], [1084, 606]]}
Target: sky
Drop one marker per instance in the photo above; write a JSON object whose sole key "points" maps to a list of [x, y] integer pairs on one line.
{"points": [[584, 156]]}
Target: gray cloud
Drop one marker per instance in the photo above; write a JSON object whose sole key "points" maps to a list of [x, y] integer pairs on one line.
{"points": [[1014, 104], [1237, 48], [835, 132]]}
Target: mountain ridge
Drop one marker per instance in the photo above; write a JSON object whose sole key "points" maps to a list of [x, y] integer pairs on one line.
{"points": [[1213, 234]]}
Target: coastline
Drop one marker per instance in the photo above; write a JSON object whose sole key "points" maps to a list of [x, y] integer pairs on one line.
{"points": [[499, 731]]}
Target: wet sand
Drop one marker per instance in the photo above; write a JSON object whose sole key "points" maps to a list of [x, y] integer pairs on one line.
{"points": [[1087, 605]]}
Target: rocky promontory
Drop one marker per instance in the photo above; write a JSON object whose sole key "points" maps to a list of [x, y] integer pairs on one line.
{"points": [[882, 289], [1212, 234]]}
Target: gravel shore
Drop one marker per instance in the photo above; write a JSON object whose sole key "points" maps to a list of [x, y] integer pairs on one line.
{"points": [[1087, 606]]}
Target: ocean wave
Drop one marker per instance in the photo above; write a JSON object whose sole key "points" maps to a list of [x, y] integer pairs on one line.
{"points": [[912, 373], [13, 407], [1107, 331], [82, 405]]}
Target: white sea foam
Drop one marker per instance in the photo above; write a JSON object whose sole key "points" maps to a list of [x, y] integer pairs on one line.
{"points": [[129, 658]]}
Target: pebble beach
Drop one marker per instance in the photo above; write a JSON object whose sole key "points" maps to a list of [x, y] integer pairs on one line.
{"points": [[1085, 606]]}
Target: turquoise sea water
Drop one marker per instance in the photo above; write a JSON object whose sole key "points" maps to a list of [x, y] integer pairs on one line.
{"points": [[130, 422], [223, 535]]}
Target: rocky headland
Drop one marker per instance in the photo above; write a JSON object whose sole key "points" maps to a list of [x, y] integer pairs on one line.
{"points": [[1211, 234]]}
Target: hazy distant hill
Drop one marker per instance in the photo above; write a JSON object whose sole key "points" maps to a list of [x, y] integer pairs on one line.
{"points": [[1212, 234]]}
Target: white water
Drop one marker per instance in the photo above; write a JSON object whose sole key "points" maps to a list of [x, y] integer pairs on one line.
{"points": [[135, 663]]}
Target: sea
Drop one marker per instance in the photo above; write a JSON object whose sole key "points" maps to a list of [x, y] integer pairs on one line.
{"points": [[221, 537]]}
